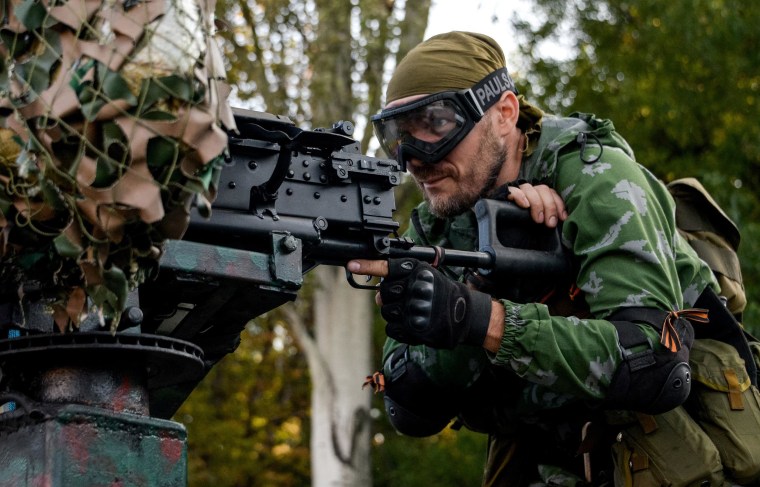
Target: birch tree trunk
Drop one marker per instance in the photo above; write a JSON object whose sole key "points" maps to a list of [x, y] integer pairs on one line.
{"points": [[340, 442], [340, 408], [338, 355], [342, 315]]}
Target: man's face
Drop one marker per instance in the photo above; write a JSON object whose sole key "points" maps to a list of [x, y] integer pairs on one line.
{"points": [[467, 173]]}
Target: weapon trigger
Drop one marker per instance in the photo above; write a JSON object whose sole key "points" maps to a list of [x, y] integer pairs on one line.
{"points": [[352, 282]]}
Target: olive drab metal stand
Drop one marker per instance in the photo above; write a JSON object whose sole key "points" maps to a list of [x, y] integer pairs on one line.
{"points": [[77, 407], [90, 407]]}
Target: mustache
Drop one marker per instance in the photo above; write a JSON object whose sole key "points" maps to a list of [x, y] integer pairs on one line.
{"points": [[428, 171]]}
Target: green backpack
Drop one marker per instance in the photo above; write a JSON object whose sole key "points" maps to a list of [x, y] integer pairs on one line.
{"points": [[714, 237], [713, 439]]}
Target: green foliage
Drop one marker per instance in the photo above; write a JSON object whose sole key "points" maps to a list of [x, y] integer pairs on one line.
{"points": [[451, 458], [680, 81], [248, 421]]}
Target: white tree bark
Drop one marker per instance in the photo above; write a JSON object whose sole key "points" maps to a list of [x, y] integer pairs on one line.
{"points": [[339, 360]]}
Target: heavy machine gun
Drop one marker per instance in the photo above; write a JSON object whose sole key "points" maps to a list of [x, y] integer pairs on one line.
{"points": [[289, 200]]}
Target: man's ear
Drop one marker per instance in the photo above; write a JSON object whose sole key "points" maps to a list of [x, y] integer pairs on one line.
{"points": [[507, 112]]}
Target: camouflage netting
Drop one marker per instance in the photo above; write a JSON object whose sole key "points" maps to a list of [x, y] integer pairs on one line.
{"points": [[110, 125]]}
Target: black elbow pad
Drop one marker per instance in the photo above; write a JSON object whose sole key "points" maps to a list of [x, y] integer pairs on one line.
{"points": [[651, 380], [411, 422], [415, 405]]}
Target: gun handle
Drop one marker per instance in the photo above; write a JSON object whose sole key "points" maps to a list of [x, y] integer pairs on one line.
{"points": [[519, 246]]}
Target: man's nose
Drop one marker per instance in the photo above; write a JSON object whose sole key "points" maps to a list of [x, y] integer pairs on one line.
{"points": [[413, 162]]}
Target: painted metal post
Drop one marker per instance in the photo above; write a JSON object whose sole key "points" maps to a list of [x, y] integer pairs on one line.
{"points": [[90, 405], [81, 414]]}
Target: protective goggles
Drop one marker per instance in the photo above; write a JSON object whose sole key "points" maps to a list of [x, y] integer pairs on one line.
{"points": [[429, 128]]}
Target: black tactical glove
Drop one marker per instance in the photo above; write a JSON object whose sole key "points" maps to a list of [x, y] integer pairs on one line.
{"points": [[423, 306]]}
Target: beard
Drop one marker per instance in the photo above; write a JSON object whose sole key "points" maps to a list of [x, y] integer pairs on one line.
{"points": [[482, 171]]}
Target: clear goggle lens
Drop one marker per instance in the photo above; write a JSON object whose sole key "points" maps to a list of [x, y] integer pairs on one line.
{"points": [[423, 129]]}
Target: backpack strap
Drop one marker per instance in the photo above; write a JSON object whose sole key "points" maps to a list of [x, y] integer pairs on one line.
{"points": [[701, 212]]}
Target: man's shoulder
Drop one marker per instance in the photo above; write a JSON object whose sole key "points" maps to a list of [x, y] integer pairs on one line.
{"points": [[585, 133], [580, 137]]}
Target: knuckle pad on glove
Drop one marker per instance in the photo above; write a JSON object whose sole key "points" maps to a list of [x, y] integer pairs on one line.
{"points": [[399, 268], [425, 275], [391, 291], [418, 323], [420, 309], [422, 289], [391, 312]]}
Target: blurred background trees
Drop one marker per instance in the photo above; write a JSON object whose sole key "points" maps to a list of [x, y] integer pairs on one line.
{"points": [[680, 80]]}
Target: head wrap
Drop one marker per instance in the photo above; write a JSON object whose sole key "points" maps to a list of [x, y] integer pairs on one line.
{"points": [[453, 61]]}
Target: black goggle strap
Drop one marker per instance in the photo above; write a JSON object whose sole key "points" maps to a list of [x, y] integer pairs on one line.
{"points": [[479, 98], [487, 91]]}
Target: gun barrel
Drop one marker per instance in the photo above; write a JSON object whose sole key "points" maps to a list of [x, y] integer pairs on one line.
{"points": [[441, 256]]}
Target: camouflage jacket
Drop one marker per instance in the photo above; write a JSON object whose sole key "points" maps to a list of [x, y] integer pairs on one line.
{"points": [[622, 235]]}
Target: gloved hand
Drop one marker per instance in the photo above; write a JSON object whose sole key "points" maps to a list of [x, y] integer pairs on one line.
{"points": [[423, 306]]}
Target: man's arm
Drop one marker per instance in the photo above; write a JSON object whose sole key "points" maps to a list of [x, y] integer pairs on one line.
{"points": [[546, 206], [622, 233]]}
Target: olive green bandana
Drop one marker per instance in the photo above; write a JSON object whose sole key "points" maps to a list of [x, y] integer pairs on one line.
{"points": [[455, 61], [452, 61]]}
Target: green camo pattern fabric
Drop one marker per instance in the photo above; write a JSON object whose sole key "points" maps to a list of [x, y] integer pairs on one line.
{"points": [[621, 230]]}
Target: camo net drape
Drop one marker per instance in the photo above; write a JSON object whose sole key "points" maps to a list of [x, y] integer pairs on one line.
{"points": [[110, 124]]}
